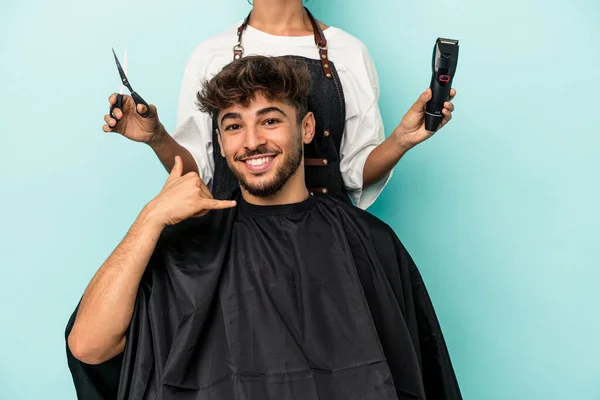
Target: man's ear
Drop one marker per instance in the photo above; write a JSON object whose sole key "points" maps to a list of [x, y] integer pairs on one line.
{"points": [[220, 142], [308, 127]]}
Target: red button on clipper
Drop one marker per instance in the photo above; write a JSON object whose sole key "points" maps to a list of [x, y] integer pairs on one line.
{"points": [[444, 78]]}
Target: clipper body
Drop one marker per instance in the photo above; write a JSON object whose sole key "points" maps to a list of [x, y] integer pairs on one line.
{"points": [[443, 64]]}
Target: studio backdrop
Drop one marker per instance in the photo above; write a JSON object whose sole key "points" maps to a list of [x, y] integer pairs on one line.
{"points": [[499, 209]]}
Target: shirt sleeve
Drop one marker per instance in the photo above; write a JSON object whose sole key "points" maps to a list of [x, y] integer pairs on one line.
{"points": [[363, 130], [194, 128]]}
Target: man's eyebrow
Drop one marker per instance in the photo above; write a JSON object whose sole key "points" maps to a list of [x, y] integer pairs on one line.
{"points": [[231, 115], [267, 110]]}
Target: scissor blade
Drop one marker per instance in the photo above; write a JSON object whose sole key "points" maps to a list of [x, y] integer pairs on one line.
{"points": [[121, 72], [124, 69]]}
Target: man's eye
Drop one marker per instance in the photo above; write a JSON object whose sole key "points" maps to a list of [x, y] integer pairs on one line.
{"points": [[271, 121], [232, 127]]}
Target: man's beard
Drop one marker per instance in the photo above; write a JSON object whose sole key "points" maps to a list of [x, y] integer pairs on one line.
{"points": [[271, 187]]}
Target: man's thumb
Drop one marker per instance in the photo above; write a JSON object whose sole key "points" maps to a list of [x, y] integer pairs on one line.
{"points": [[177, 169]]}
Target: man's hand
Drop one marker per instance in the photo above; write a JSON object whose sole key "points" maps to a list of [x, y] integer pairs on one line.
{"points": [[411, 130], [183, 197], [131, 124]]}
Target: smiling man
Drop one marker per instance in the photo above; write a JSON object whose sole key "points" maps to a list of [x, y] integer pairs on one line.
{"points": [[262, 109], [270, 292]]}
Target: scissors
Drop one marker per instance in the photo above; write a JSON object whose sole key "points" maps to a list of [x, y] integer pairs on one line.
{"points": [[125, 83]]}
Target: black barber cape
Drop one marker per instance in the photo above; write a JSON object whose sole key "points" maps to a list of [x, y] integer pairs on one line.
{"points": [[313, 300]]}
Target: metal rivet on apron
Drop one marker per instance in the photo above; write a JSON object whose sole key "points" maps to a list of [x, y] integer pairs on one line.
{"points": [[237, 57], [328, 75], [326, 133], [326, 65], [324, 55], [324, 162], [324, 191]]}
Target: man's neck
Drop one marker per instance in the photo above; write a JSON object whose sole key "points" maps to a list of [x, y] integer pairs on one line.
{"points": [[294, 191], [280, 17]]}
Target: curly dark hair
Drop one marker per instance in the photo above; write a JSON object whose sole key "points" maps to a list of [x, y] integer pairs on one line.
{"points": [[276, 78]]}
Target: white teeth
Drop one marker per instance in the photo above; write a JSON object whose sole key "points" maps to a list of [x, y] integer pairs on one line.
{"points": [[258, 161]]}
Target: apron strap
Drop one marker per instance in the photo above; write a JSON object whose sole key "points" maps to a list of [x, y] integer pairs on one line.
{"points": [[238, 50], [320, 41]]}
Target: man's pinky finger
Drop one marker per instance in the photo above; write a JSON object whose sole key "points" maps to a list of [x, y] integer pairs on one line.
{"points": [[219, 204]]}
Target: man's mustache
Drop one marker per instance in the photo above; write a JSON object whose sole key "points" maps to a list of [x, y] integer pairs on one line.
{"points": [[262, 149]]}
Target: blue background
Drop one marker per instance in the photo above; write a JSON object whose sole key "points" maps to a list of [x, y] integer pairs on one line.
{"points": [[499, 209]]}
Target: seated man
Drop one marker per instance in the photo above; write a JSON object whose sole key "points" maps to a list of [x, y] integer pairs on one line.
{"points": [[271, 294]]}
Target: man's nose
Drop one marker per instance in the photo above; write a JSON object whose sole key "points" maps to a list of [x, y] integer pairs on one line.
{"points": [[253, 138]]}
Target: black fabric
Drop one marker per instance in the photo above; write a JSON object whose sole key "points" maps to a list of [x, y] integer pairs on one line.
{"points": [[314, 300], [326, 101]]}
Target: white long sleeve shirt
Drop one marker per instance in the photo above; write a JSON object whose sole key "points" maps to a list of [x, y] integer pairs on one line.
{"points": [[363, 128]]}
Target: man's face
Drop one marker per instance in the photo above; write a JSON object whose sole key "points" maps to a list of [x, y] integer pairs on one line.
{"points": [[263, 143]]}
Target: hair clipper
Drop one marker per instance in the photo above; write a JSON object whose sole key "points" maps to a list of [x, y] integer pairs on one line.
{"points": [[443, 63]]}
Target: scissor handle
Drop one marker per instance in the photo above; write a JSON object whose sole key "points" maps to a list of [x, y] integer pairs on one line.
{"points": [[138, 100], [118, 104]]}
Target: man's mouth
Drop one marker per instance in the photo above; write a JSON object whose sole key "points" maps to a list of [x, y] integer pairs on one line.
{"points": [[259, 163]]}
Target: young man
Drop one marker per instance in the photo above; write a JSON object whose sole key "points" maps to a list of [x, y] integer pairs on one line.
{"points": [[271, 294]]}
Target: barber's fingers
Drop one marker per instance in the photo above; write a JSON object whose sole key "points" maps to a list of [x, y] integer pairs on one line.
{"points": [[421, 103], [151, 109], [141, 109], [117, 112], [110, 121], [452, 94], [447, 114]]}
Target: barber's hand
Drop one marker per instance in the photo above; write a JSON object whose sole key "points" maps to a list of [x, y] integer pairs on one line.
{"points": [[411, 130], [183, 197], [131, 124]]}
